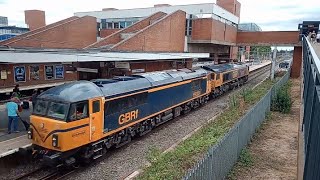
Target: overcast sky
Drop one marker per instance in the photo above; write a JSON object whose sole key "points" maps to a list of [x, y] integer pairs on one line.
{"points": [[268, 14]]}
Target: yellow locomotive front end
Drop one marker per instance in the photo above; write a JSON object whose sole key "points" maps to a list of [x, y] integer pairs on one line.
{"points": [[65, 119]]}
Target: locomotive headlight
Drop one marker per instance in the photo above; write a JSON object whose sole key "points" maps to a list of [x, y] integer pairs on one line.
{"points": [[30, 133], [55, 140]]}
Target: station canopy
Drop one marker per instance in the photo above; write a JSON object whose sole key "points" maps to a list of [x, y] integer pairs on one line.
{"points": [[64, 56]]}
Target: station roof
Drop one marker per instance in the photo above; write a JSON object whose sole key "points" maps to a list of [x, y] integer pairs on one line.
{"points": [[54, 56]]}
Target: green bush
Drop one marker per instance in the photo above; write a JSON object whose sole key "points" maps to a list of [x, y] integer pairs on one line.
{"points": [[282, 101]]}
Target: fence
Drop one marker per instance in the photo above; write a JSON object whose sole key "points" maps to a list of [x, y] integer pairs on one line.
{"points": [[220, 158], [311, 116]]}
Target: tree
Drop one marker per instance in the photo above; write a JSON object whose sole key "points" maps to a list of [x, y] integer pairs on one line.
{"points": [[261, 49]]}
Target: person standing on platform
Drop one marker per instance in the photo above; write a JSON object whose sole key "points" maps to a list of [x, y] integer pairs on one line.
{"points": [[13, 110], [313, 37], [34, 97], [16, 91]]}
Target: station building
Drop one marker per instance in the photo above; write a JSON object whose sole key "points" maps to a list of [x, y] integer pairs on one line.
{"points": [[112, 42], [7, 32]]}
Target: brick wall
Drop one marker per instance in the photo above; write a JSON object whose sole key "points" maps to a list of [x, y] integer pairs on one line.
{"points": [[227, 5], [77, 33], [231, 34], [202, 29], [10, 82], [297, 62], [268, 38], [116, 37], [150, 66], [218, 30], [208, 30], [17, 38], [166, 35], [35, 19], [232, 6], [238, 9], [107, 32], [233, 52]]}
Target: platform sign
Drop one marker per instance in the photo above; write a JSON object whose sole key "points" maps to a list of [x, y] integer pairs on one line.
{"points": [[49, 74], [122, 65], [20, 74], [138, 70], [34, 71], [59, 72], [4, 74]]}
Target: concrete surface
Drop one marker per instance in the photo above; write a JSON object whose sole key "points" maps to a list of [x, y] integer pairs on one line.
{"points": [[317, 49]]}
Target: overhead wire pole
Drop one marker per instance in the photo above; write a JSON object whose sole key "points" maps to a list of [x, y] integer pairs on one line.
{"points": [[273, 66]]}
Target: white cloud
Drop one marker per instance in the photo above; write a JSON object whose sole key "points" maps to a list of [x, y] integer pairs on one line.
{"points": [[269, 14]]}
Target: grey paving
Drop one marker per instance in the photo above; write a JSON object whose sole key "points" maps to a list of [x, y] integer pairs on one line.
{"points": [[317, 49]]}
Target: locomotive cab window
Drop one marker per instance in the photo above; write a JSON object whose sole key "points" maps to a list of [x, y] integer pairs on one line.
{"points": [[57, 110], [78, 111], [95, 106], [217, 76], [227, 77], [40, 107], [213, 76]]}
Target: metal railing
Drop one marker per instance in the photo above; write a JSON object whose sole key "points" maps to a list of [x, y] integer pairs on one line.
{"points": [[220, 158], [311, 113]]}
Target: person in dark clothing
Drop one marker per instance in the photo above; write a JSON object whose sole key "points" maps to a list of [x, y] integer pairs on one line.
{"points": [[16, 91], [34, 97]]}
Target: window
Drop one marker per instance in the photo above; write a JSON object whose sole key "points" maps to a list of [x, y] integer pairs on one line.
{"points": [[196, 85], [129, 23], [78, 111], [227, 77], [122, 104], [109, 25], [57, 110], [212, 76], [103, 23], [95, 106], [218, 77], [116, 25], [122, 25], [40, 107]]}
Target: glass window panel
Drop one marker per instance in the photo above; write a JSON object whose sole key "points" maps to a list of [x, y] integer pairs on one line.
{"points": [[122, 25], [116, 25], [109, 26]]}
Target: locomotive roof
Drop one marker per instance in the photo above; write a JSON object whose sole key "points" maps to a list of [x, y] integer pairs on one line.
{"points": [[148, 80], [83, 90], [223, 67], [72, 92]]}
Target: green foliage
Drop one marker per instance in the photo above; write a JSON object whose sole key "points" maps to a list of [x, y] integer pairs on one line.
{"points": [[245, 158], [261, 49], [153, 154], [282, 101]]}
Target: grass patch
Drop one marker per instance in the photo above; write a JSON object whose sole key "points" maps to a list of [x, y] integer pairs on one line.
{"points": [[282, 101], [174, 164]]}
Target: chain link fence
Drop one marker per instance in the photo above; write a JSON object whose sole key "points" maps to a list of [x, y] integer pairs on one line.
{"points": [[220, 158]]}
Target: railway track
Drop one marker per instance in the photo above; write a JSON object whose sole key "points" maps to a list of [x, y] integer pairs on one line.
{"points": [[46, 174]]}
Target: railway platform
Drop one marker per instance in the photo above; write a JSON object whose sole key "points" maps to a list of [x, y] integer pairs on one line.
{"points": [[11, 143], [258, 66]]}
